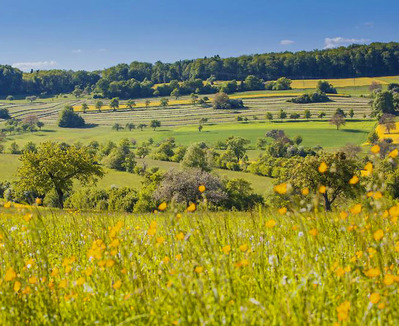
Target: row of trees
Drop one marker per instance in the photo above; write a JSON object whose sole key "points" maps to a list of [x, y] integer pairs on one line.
{"points": [[136, 79], [376, 59]]}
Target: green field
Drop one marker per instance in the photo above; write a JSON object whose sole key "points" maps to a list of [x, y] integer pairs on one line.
{"points": [[313, 133], [181, 122]]}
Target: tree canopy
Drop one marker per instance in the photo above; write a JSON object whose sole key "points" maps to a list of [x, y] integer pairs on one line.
{"points": [[55, 167], [69, 119]]}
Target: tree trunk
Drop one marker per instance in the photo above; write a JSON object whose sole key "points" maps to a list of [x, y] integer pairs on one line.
{"points": [[60, 194], [327, 203]]}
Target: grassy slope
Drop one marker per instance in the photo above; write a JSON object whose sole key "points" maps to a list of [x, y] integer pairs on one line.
{"points": [[9, 164]]}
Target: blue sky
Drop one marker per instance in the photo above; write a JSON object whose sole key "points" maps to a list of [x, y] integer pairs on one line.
{"points": [[95, 34]]}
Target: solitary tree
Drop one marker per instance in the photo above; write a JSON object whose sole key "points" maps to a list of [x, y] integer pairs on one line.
{"points": [[282, 114], [130, 126], [31, 121], [307, 114], [31, 99], [388, 121], [147, 103], [203, 120], [221, 101], [383, 103], [269, 116], [55, 167], [40, 124], [194, 98], [322, 115], [337, 120], [69, 119], [99, 105], [141, 126], [85, 107], [117, 127], [4, 114], [164, 102], [236, 145], [155, 124], [335, 180], [351, 113], [131, 104], [197, 156], [114, 104], [175, 93]]}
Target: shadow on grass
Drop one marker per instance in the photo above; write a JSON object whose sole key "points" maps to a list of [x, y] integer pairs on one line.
{"points": [[356, 131], [89, 126]]}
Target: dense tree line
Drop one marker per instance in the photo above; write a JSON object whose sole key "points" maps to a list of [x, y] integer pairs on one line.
{"points": [[376, 59], [124, 80]]}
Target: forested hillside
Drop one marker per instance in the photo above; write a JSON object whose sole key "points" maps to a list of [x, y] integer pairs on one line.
{"points": [[376, 59]]}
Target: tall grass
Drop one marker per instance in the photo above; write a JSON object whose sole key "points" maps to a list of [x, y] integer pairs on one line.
{"points": [[199, 268]]}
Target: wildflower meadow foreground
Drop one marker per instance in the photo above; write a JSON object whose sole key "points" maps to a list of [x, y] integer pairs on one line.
{"points": [[171, 268]]}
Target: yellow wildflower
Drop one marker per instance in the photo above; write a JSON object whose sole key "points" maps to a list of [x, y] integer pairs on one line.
{"points": [[305, 191], [17, 286], [323, 167], [243, 247], [226, 249], [354, 180], [375, 298], [372, 272], [63, 284], [199, 269], [394, 153], [281, 189], [10, 274], [375, 149], [389, 279], [282, 210], [343, 311], [33, 280], [27, 217], [322, 189], [191, 208], [162, 206], [201, 188], [80, 281], [356, 209], [117, 285], [378, 235], [271, 223], [180, 236]]}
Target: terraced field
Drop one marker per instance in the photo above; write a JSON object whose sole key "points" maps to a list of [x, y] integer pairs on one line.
{"points": [[183, 114]]}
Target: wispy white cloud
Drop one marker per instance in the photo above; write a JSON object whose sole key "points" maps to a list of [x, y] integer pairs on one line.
{"points": [[334, 42], [369, 24], [25, 66], [286, 42], [77, 51]]}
